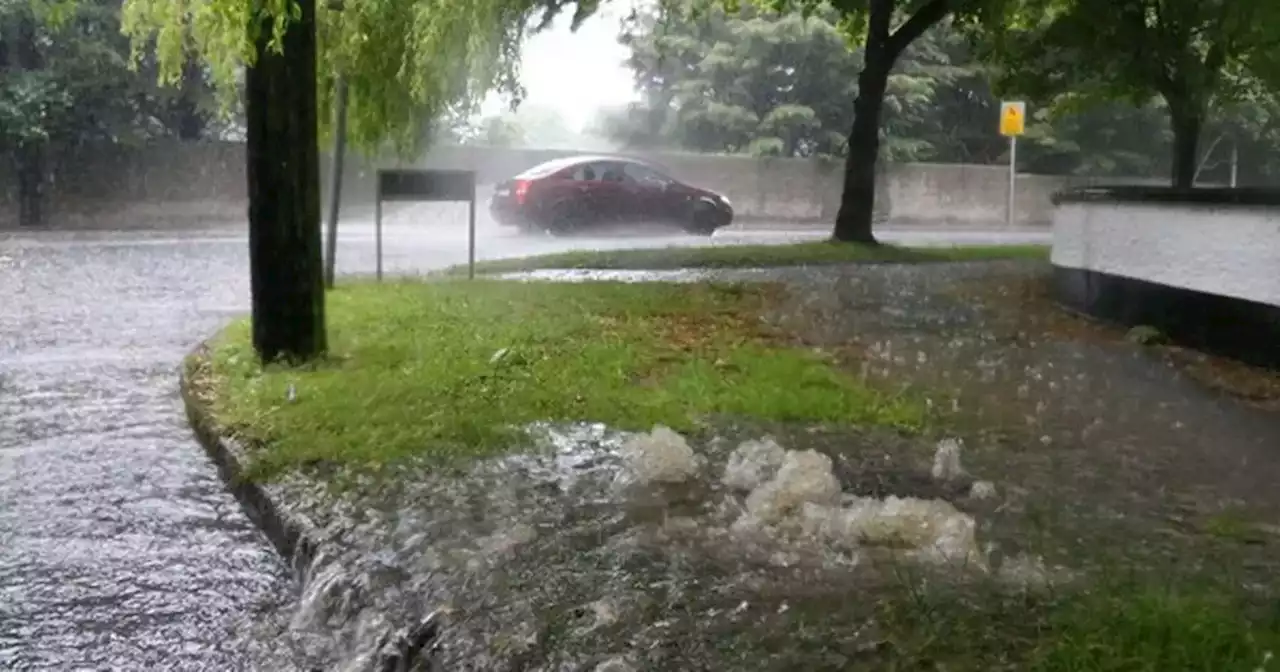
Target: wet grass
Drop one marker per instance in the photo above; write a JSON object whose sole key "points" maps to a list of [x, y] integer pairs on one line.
{"points": [[1112, 626], [754, 256], [447, 370]]}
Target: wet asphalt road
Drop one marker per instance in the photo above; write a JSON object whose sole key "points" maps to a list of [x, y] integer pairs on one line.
{"points": [[119, 548]]}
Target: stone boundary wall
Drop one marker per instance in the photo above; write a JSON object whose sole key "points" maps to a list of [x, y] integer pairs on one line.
{"points": [[177, 185]]}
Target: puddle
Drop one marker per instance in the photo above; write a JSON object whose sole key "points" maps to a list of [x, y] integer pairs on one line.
{"points": [[595, 275], [601, 546]]}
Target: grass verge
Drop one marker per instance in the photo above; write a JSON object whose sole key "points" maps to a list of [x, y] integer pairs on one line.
{"points": [[754, 256], [1130, 625], [450, 369]]}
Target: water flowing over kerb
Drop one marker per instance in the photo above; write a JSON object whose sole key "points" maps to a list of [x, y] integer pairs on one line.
{"points": [[590, 545]]}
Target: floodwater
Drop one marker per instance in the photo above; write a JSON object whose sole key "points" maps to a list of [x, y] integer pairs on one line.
{"points": [[119, 547]]}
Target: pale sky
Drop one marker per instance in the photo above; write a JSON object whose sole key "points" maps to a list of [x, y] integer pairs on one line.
{"points": [[576, 73]]}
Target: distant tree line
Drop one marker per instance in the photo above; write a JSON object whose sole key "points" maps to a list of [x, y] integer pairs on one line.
{"points": [[765, 83], [65, 82]]}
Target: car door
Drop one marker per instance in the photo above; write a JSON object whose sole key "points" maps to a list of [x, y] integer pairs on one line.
{"points": [[650, 194], [576, 194], [613, 196]]}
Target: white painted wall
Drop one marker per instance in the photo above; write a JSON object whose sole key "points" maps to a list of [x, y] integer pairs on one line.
{"points": [[1226, 250]]}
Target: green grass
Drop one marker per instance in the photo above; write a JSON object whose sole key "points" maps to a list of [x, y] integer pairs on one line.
{"points": [[1131, 625], [413, 370], [758, 256], [1156, 630]]}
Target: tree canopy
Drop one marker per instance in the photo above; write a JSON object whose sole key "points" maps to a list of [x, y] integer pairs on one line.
{"points": [[766, 83], [1200, 58], [407, 63], [79, 88]]}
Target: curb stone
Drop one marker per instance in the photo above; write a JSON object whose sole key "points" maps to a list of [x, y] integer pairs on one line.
{"points": [[293, 535]]}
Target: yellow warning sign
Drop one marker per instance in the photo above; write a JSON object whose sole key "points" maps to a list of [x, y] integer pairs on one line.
{"points": [[1013, 118]]}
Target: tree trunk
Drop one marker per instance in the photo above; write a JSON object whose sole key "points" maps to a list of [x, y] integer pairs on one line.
{"points": [[285, 263], [29, 156], [189, 119], [29, 162], [855, 218], [1186, 124]]}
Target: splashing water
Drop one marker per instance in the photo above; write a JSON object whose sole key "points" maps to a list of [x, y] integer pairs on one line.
{"points": [[946, 461], [519, 539], [659, 456], [805, 477], [753, 463]]}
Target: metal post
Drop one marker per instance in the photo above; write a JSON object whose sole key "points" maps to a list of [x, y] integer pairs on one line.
{"points": [[471, 235], [377, 231], [1235, 162], [335, 179], [1013, 175]]}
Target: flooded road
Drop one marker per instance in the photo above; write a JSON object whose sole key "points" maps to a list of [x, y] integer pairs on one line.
{"points": [[119, 547]]}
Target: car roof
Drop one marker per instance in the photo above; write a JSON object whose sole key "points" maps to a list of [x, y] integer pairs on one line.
{"points": [[555, 165]]}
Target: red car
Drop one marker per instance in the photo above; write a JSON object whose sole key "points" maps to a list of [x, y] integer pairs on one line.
{"points": [[572, 194]]}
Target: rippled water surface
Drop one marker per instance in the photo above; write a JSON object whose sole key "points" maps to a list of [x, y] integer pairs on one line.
{"points": [[119, 547]]}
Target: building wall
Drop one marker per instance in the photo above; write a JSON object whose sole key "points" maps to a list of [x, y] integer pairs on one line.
{"points": [[1202, 273], [188, 185]]}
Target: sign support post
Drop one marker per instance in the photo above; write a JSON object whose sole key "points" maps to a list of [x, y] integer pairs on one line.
{"points": [[1013, 116], [377, 232], [471, 234], [427, 186]]}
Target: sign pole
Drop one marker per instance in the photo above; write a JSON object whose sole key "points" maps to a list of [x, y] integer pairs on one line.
{"points": [[1013, 176], [335, 180], [1013, 122], [377, 231], [471, 235]]}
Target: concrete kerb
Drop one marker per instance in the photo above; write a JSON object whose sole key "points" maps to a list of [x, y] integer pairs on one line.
{"points": [[292, 534]]}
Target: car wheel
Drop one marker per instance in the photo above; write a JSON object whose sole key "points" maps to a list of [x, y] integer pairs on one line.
{"points": [[702, 221], [564, 219]]}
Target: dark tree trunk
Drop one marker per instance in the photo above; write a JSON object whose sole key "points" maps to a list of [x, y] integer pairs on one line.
{"points": [[1187, 124], [29, 156], [189, 119], [855, 219], [285, 263], [29, 163]]}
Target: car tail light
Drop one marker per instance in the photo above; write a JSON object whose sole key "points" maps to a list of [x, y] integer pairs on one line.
{"points": [[521, 191]]}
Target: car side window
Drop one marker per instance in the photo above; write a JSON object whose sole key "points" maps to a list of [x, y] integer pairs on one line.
{"points": [[644, 175], [587, 172], [612, 172]]}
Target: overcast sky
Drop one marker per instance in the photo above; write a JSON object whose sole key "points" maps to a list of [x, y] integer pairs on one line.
{"points": [[576, 73]]}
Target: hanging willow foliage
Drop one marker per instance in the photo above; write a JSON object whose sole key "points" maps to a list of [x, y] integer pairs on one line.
{"points": [[406, 62]]}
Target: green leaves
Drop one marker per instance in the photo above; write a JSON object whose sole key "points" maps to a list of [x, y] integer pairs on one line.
{"points": [[407, 62], [30, 106]]}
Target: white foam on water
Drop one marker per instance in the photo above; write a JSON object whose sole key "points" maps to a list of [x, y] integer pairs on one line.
{"points": [[803, 498], [753, 463], [659, 456], [946, 460], [804, 477]]}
